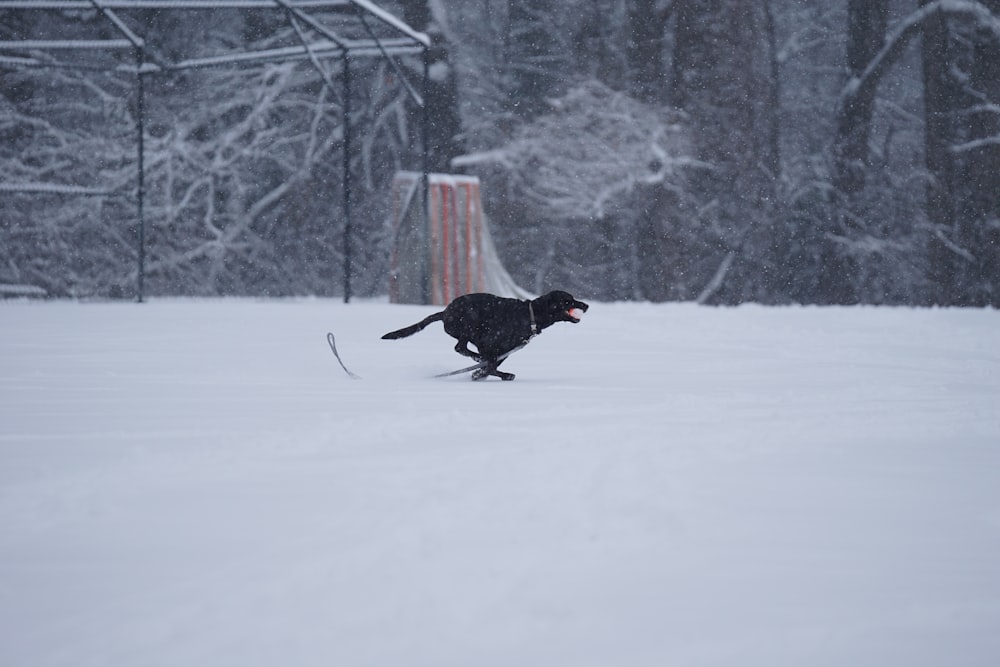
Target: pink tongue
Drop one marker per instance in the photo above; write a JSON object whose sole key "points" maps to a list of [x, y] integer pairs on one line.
{"points": [[576, 313]]}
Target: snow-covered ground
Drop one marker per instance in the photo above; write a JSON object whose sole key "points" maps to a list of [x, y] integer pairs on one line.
{"points": [[197, 483]]}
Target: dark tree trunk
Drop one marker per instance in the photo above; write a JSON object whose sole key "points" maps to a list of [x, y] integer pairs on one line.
{"points": [[983, 162], [647, 20], [961, 69], [941, 94], [535, 61], [725, 80], [724, 77], [866, 27], [442, 90]]}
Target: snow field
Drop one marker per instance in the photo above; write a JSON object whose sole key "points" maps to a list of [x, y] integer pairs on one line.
{"points": [[198, 483]]}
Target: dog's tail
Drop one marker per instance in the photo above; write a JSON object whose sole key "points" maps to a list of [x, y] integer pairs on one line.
{"points": [[413, 328]]}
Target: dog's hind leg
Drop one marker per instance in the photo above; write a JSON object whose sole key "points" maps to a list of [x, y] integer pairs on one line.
{"points": [[491, 369], [462, 347]]}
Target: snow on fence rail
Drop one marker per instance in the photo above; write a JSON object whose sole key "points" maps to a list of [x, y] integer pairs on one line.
{"points": [[54, 188], [8, 291]]}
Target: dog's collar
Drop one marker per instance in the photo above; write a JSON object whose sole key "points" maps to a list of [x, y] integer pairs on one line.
{"points": [[534, 326]]}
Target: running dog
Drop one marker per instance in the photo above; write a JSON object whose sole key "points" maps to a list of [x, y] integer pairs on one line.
{"points": [[497, 326]]}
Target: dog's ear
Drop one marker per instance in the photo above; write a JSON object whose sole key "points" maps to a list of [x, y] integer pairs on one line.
{"points": [[557, 298]]}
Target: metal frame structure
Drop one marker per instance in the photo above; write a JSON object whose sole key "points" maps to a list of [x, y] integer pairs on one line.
{"points": [[301, 17]]}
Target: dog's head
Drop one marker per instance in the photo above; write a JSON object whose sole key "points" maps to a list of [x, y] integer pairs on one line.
{"points": [[559, 306]]}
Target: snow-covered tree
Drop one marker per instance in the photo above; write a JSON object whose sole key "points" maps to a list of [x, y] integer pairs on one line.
{"points": [[568, 181], [66, 154], [714, 150]]}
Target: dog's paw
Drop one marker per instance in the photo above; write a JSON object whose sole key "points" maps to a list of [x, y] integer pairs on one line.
{"points": [[481, 373]]}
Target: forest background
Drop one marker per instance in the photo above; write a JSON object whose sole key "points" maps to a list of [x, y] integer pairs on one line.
{"points": [[719, 151]]}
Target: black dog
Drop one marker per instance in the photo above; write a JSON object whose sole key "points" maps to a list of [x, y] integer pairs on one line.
{"points": [[497, 326]]}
